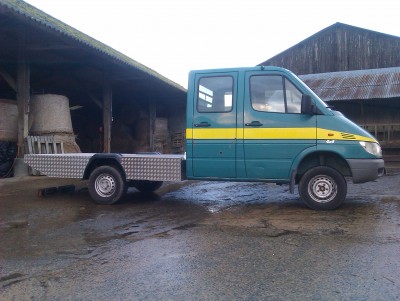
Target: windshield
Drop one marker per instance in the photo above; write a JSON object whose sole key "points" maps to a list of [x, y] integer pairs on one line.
{"points": [[312, 94]]}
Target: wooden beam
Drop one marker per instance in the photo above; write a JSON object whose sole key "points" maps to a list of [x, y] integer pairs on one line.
{"points": [[8, 78], [52, 47], [96, 101], [23, 95], [107, 117]]}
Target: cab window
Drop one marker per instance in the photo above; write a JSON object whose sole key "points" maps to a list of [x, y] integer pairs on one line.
{"points": [[274, 93], [215, 94]]}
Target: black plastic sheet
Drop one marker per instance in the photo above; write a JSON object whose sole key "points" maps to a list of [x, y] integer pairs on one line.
{"points": [[8, 152]]}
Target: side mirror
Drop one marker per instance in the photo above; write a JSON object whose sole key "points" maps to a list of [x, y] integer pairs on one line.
{"points": [[307, 106]]}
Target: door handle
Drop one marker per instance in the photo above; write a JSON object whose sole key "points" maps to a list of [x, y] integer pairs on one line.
{"points": [[254, 123], [202, 124]]}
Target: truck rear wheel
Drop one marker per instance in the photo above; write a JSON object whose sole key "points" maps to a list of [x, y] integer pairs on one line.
{"points": [[106, 185], [323, 188]]}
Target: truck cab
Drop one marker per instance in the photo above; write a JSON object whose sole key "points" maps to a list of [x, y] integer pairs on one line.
{"points": [[265, 124]]}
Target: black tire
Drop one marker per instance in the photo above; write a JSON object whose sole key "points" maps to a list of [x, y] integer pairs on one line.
{"points": [[106, 185], [323, 188], [146, 186]]}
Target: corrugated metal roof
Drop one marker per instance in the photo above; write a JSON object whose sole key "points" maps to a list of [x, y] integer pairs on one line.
{"points": [[32, 13], [351, 85]]}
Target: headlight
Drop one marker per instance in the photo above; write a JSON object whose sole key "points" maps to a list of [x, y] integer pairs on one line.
{"points": [[372, 147]]}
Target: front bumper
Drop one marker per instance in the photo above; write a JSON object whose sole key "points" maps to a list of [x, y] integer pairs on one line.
{"points": [[365, 170]]}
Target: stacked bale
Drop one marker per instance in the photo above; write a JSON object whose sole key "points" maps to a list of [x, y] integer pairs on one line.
{"points": [[50, 115]]}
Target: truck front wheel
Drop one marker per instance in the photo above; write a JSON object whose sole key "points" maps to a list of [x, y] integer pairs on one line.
{"points": [[323, 188], [106, 185]]}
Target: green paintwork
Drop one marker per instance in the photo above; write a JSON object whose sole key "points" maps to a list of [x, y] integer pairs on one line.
{"points": [[273, 159]]}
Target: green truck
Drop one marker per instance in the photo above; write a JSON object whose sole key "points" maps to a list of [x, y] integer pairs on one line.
{"points": [[242, 124]]}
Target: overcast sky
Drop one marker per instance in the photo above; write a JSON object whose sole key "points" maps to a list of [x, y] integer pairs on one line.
{"points": [[175, 36]]}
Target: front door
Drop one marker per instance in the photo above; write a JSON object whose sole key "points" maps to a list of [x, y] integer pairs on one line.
{"points": [[275, 131], [214, 126]]}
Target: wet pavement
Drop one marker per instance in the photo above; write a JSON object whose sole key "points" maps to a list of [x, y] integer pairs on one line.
{"points": [[198, 241]]}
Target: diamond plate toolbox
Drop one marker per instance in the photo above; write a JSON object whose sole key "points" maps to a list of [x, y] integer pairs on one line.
{"points": [[59, 166], [136, 167], [153, 167]]}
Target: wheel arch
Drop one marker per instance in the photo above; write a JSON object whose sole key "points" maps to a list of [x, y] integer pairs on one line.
{"points": [[321, 158], [102, 160]]}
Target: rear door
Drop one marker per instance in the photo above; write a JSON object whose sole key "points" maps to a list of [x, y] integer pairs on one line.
{"points": [[214, 126], [275, 131]]}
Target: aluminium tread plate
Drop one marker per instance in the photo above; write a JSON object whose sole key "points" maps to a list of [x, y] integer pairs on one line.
{"points": [[136, 166], [153, 167], [59, 165]]}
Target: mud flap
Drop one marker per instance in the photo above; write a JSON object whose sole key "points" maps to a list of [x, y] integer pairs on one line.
{"points": [[292, 181]]}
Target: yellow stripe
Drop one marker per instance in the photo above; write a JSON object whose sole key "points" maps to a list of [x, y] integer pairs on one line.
{"points": [[216, 133], [280, 133], [272, 133], [222, 133], [325, 134], [189, 132]]}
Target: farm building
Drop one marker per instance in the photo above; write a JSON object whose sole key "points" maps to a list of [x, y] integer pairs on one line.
{"points": [[356, 71], [56, 81]]}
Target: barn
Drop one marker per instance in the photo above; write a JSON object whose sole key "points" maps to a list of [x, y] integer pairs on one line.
{"points": [[356, 71], [56, 81]]}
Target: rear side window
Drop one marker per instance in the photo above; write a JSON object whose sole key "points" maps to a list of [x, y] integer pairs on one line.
{"points": [[215, 94], [274, 93]]}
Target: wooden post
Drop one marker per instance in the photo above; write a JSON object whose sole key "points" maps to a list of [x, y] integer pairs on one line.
{"points": [[362, 112], [23, 95], [152, 119], [107, 117]]}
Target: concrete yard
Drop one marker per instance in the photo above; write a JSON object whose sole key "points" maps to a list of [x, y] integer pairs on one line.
{"points": [[198, 241]]}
